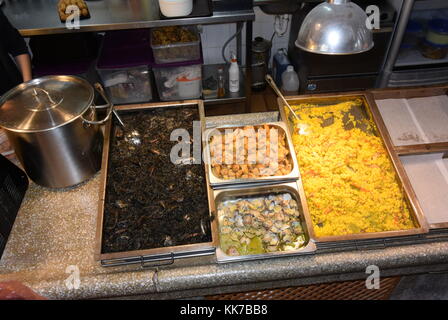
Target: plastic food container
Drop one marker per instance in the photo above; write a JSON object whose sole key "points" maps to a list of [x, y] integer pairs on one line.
{"points": [[433, 51], [125, 72], [438, 32], [176, 8], [435, 45], [127, 85], [179, 81], [176, 51]]}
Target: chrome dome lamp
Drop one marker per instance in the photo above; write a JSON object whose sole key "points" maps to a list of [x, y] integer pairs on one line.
{"points": [[335, 27]]}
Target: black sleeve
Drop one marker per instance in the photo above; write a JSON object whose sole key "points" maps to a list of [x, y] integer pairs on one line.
{"points": [[11, 38]]}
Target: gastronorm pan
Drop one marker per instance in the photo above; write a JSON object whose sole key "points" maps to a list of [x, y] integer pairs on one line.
{"points": [[232, 194], [421, 148], [155, 256], [217, 183], [369, 112]]}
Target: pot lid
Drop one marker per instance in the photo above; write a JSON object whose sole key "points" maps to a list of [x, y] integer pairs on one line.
{"points": [[45, 103]]}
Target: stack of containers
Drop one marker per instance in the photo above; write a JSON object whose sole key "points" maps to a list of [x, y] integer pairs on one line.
{"points": [[124, 66], [177, 66]]}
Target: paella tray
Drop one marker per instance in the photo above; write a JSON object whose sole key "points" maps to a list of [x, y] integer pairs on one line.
{"points": [[152, 209], [252, 134], [356, 189], [261, 222]]}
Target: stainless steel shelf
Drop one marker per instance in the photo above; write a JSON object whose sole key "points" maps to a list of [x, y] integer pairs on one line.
{"points": [[413, 57], [430, 4], [40, 17]]}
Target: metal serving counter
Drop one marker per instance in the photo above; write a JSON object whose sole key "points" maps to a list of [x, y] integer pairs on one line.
{"points": [[40, 17]]}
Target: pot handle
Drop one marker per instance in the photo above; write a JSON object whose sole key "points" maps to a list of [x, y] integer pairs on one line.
{"points": [[109, 105], [49, 97]]}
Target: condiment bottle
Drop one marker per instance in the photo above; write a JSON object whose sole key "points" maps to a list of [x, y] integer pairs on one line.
{"points": [[234, 75], [221, 83], [290, 80], [279, 65]]}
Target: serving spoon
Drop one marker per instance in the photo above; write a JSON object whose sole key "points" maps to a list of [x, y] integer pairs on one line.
{"points": [[278, 92]]}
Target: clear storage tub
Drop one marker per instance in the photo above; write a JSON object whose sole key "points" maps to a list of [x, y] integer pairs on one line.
{"points": [[179, 81], [175, 51], [127, 85], [125, 73]]}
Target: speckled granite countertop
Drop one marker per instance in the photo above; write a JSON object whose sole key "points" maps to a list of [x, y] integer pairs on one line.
{"points": [[56, 229]]}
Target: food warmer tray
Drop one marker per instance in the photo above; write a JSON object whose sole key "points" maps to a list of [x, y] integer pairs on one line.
{"points": [[218, 183], [416, 119], [157, 256], [233, 193], [373, 239]]}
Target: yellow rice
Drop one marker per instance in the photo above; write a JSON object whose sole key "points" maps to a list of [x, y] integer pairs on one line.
{"points": [[349, 181]]}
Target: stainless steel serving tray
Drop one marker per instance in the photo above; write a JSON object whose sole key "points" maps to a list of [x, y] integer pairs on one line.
{"points": [[390, 102], [357, 240], [218, 183], [291, 188], [156, 256]]}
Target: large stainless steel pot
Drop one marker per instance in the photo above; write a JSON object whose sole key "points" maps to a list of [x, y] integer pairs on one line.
{"points": [[51, 123]]}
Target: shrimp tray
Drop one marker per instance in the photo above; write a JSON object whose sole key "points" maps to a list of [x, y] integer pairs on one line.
{"points": [[244, 155]]}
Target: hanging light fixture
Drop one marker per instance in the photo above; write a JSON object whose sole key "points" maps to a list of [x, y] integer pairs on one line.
{"points": [[335, 27]]}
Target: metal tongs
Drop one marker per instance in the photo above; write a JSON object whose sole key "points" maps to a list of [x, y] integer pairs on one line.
{"points": [[278, 92]]}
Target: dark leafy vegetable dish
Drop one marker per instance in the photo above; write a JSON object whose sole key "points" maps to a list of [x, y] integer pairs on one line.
{"points": [[150, 201]]}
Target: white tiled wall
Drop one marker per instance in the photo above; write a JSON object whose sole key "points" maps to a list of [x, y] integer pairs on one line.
{"points": [[214, 37]]}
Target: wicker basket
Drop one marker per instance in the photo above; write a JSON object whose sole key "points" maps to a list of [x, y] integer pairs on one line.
{"points": [[347, 290]]}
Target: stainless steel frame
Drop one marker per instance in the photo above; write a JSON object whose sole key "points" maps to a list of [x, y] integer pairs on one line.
{"points": [[400, 29], [373, 112], [216, 182], [292, 188], [157, 256]]}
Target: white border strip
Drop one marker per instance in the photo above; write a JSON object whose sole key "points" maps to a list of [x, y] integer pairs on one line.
{"points": [[443, 168], [414, 119]]}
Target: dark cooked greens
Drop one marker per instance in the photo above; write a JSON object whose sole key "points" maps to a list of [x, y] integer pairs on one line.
{"points": [[151, 202]]}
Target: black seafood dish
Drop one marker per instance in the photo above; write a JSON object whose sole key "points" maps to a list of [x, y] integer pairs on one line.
{"points": [[151, 202]]}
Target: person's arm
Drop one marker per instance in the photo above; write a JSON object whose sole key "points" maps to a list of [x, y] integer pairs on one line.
{"points": [[14, 290], [24, 63], [16, 46]]}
